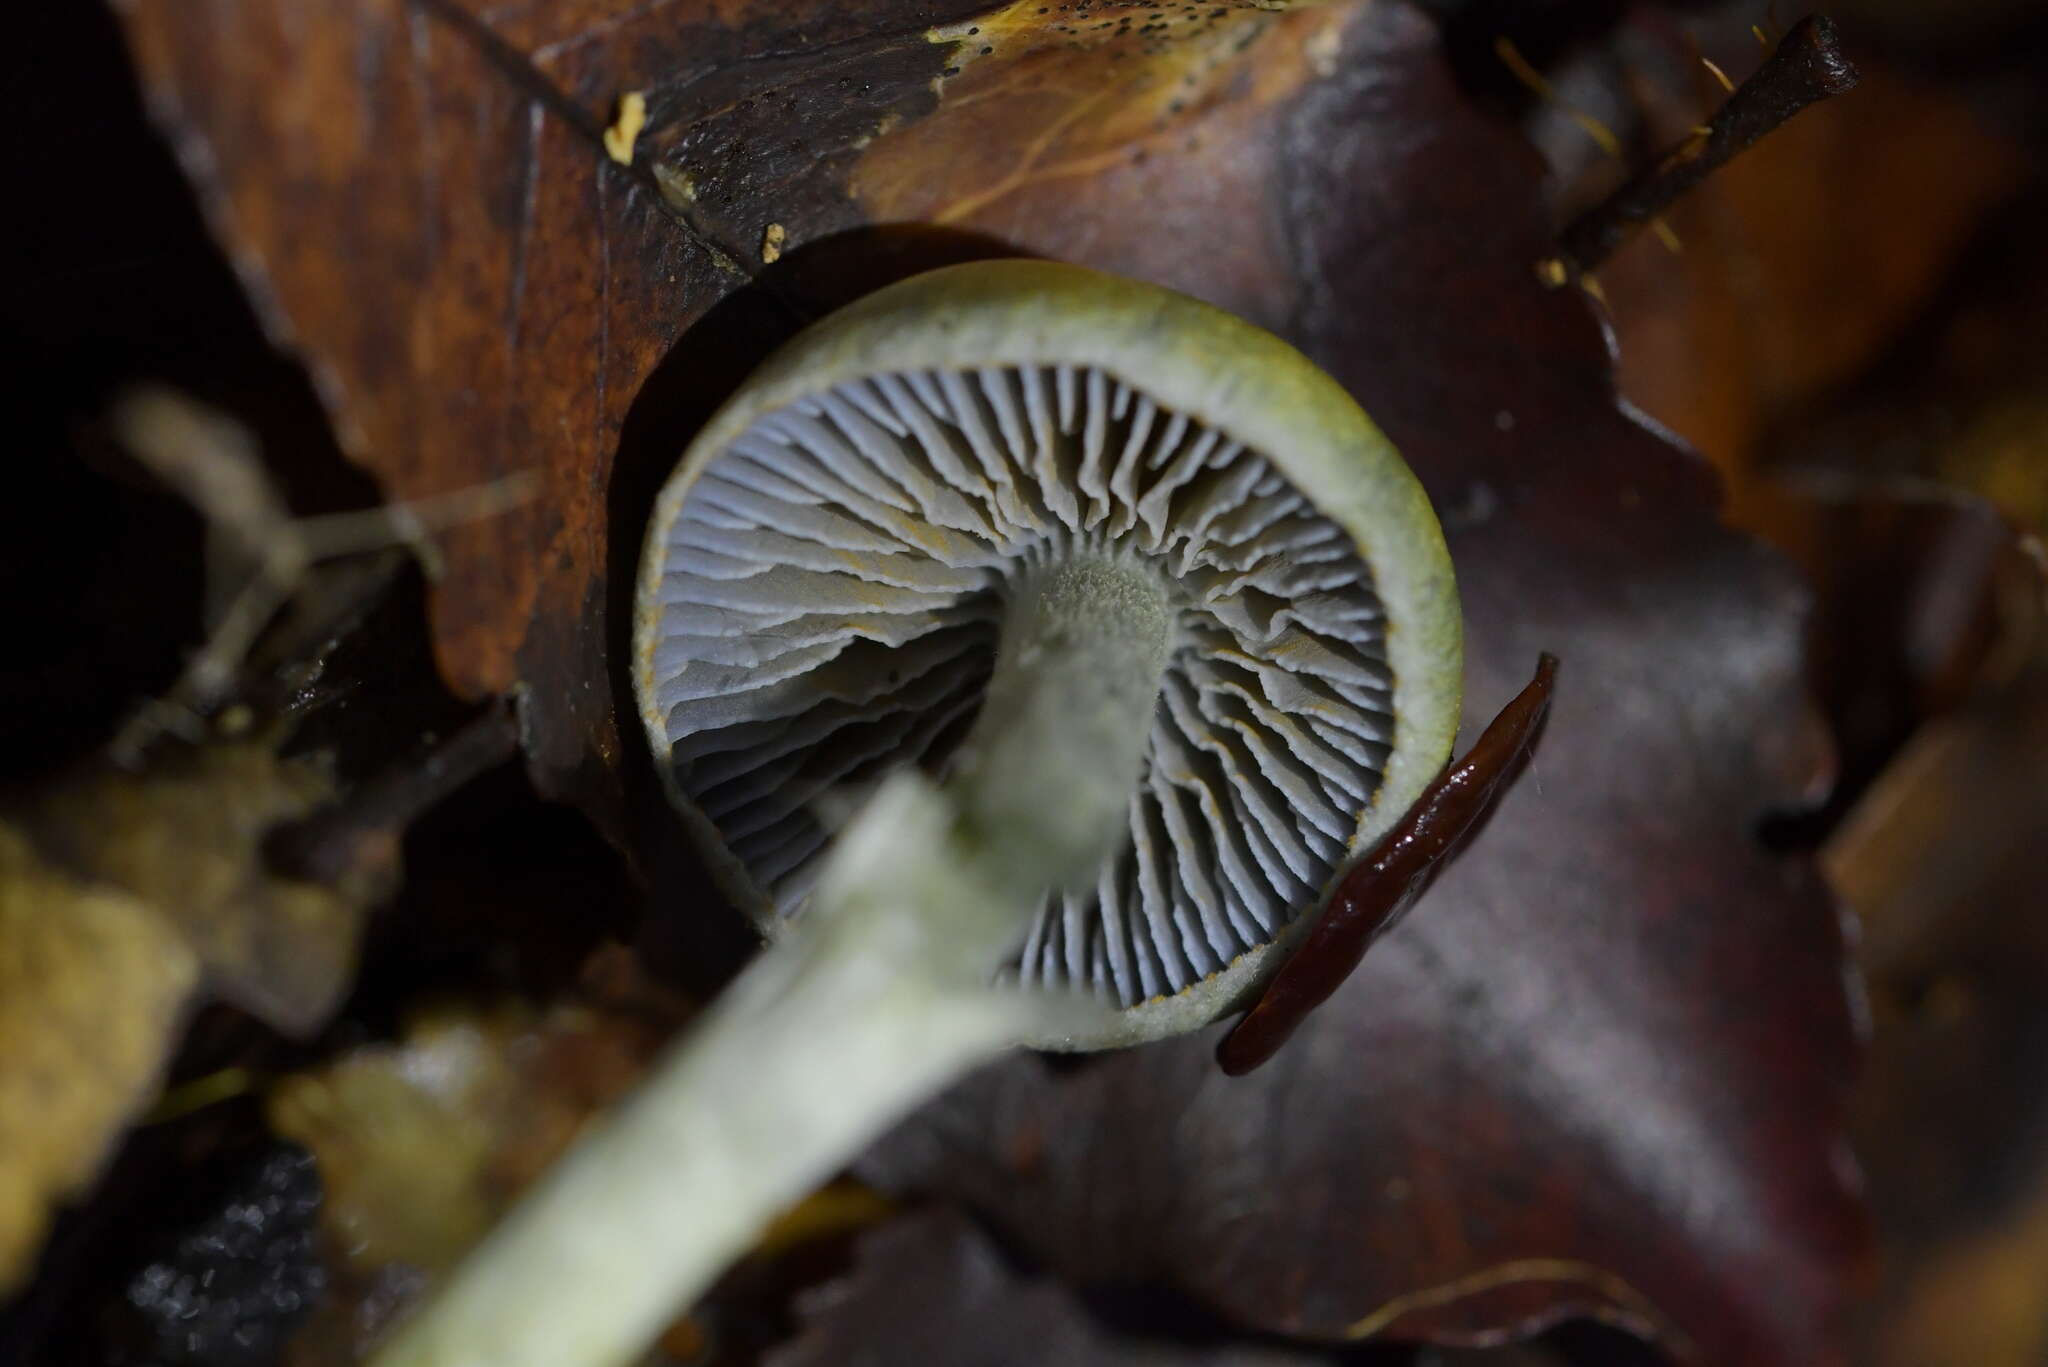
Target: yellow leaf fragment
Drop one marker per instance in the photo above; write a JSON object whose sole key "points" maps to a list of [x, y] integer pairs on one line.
{"points": [[625, 129], [186, 837], [1036, 95], [92, 985], [403, 1135], [422, 1143]]}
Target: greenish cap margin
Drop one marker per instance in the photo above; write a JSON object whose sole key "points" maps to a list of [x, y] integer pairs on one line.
{"points": [[1188, 356]]}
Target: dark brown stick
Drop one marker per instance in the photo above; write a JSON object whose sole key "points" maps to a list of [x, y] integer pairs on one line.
{"points": [[1808, 66], [358, 836]]}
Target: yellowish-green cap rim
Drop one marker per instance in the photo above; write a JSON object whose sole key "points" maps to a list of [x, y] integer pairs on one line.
{"points": [[1191, 358]]}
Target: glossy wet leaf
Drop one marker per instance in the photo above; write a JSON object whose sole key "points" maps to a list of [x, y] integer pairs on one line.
{"points": [[1602, 1068], [933, 1288]]}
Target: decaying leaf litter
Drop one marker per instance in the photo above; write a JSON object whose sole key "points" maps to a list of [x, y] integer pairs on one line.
{"points": [[1233, 123]]}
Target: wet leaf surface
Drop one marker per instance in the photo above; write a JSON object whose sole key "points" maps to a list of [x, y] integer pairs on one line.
{"points": [[933, 1288], [1602, 1069]]}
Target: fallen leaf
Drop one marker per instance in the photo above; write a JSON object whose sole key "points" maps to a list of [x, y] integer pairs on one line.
{"points": [[932, 1288], [420, 197], [480, 289], [1932, 660], [1603, 1069], [1157, 117], [1962, 398], [1799, 261], [1925, 594]]}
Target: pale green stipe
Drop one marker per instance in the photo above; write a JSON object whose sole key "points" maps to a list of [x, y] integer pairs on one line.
{"points": [[880, 996], [1043, 779]]}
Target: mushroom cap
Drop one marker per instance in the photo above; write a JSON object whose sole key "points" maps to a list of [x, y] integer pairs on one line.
{"points": [[825, 573]]}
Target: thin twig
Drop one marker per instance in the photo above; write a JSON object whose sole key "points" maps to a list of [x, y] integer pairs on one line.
{"points": [[359, 835], [1808, 66], [259, 555]]}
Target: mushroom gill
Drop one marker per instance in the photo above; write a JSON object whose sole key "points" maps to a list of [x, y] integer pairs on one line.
{"points": [[1093, 554], [834, 587]]}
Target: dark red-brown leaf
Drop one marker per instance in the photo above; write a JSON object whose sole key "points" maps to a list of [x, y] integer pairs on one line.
{"points": [[1602, 1068], [1378, 890], [933, 1288]]}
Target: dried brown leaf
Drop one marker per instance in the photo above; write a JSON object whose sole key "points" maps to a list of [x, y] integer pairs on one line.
{"points": [[1801, 260], [185, 837], [481, 289]]}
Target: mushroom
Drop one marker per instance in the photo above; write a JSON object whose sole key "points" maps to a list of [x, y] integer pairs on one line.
{"points": [[1118, 630], [1002, 486]]}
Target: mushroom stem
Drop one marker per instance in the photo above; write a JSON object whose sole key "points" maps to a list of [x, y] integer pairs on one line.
{"points": [[877, 1000], [1046, 775]]}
